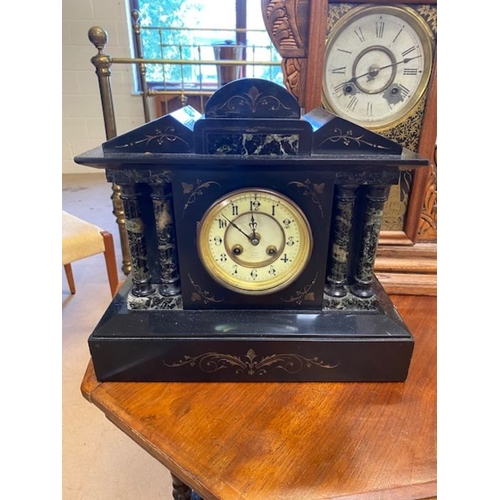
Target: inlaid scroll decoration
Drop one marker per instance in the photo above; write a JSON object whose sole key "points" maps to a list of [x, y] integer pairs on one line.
{"points": [[302, 295], [195, 191], [253, 100], [251, 363], [311, 189], [159, 137], [202, 295], [347, 137]]}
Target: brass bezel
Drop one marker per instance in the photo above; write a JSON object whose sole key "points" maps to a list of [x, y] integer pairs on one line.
{"points": [[242, 286], [424, 33]]}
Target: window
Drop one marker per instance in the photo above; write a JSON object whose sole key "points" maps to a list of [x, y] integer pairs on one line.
{"points": [[191, 33]]}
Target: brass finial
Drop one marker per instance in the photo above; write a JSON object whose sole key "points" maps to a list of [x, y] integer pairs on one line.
{"points": [[98, 37], [135, 15]]}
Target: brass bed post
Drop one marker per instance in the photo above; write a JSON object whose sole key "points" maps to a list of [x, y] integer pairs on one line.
{"points": [[136, 28], [102, 63]]}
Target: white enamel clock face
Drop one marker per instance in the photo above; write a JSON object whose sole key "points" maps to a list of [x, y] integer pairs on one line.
{"points": [[377, 65], [254, 241]]}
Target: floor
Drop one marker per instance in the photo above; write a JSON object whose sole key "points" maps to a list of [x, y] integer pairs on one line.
{"points": [[99, 462]]}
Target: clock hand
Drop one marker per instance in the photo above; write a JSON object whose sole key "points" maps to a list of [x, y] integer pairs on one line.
{"points": [[253, 225], [254, 240], [370, 73], [236, 227]]}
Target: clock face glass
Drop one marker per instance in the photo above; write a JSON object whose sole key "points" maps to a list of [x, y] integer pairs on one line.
{"points": [[254, 241], [377, 65]]}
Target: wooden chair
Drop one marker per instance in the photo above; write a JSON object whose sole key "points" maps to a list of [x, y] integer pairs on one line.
{"points": [[81, 239]]}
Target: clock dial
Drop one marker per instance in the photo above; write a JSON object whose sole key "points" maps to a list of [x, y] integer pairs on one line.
{"points": [[377, 65], [254, 241]]}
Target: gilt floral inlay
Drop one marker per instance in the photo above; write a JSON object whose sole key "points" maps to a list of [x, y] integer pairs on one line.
{"points": [[347, 138], [202, 295], [159, 137], [251, 363], [311, 189], [195, 191], [302, 295], [253, 100]]}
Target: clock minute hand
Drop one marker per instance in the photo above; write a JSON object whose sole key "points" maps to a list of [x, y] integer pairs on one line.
{"points": [[403, 61], [236, 227], [255, 239], [253, 225]]}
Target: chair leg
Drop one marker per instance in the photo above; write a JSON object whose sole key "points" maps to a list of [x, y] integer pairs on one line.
{"points": [[69, 277], [109, 256]]}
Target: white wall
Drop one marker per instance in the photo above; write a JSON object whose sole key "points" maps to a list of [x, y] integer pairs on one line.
{"points": [[82, 120]]}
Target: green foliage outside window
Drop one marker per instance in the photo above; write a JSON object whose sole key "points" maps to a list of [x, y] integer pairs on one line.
{"points": [[164, 36]]}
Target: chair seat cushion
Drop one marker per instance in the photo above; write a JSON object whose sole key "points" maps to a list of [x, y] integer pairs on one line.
{"points": [[80, 239]]}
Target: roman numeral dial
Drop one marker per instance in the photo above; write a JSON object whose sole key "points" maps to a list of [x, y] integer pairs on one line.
{"points": [[254, 241], [377, 65]]}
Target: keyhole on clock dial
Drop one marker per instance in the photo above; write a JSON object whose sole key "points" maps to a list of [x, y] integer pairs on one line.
{"points": [[271, 250], [237, 250]]}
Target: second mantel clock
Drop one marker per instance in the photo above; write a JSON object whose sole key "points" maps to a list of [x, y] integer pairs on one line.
{"points": [[318, 41], [378, 62]]}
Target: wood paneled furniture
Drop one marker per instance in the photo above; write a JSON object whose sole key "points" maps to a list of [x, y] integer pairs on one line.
{"points": [[293, 441]]}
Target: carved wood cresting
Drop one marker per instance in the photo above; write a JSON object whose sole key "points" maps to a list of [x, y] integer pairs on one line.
{"points": [[284, 26], [286, 23], [292, 70]]}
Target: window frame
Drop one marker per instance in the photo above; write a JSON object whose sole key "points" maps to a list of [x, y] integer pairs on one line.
{"points": [[201, 85]]}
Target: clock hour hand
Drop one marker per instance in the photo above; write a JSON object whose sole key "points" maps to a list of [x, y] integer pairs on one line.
{"points": [[254, 240], [253, 225], [374, 71], [236, 227]]}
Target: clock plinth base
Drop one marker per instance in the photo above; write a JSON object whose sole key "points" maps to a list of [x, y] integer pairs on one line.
{"points": [[176, 345]]}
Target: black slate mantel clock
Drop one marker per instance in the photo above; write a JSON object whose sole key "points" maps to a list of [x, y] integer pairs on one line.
{"points": [[252, 233]]}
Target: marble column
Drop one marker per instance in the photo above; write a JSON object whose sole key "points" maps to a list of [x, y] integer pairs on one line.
{"points": [[343, 214], [161, 195], [376, 196], [141, 277]]}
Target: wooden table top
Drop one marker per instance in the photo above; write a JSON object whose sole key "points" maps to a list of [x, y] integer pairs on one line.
{"points": [[293, 441]]}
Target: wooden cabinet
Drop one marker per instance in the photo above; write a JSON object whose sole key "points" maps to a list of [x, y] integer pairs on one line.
{"points": [[408, 249]]}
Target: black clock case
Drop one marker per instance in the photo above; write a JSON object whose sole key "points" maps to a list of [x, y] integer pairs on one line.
{"points": [[171, 321]]}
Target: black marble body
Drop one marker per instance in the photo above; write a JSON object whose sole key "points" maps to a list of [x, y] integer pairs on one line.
{"points": [[334, 321], [243, 346]]}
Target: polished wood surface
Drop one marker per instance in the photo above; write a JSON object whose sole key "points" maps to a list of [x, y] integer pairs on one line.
{"points": [[293, 441]]}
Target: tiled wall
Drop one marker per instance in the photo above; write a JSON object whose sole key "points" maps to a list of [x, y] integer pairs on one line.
{"points": [[82, 121]]}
